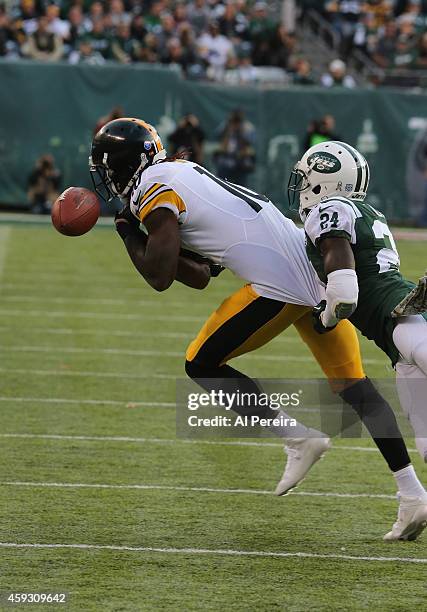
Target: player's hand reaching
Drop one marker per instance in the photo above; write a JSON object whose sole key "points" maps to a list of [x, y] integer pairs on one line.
{"points": [[215, 269], [126, 222], [317, 319]]}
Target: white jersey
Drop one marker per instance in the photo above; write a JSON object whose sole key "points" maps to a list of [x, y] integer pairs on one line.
{"points": [[232, 226]]}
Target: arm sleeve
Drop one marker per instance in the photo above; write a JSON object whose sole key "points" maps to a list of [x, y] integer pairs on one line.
{"points": [[342, 292], [159, 196], [331, 218]]}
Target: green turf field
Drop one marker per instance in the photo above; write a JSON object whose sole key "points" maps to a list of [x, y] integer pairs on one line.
{"points": [[127, 517]]}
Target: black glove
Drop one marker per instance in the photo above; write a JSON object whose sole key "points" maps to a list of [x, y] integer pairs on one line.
{"points": [[317, 321], [215, 269], [193, 256], [126, 222]]}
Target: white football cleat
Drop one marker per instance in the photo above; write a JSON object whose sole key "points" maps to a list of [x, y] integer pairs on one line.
{"points": [[411, 519], [302, 455]]}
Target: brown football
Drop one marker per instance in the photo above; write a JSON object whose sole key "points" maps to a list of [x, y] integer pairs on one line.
{"points": [[76, 211]]}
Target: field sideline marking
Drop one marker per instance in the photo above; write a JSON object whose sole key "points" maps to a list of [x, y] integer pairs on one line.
{"points": [[156, 487], [219, 551], [106, 223], [132, 440], [139, 353], [4, 238]]}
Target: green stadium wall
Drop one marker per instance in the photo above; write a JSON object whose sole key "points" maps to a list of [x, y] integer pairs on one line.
{"points": [[53, 108]]}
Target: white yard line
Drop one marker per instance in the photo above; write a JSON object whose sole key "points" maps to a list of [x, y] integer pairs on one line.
{"points": [[132, 440], [151, 353], [68, 331], [94, 402], [126, 403], [90, 351], [217, 552], [156, 487], [113, 333], [136, 440], [25, 299], [32, 278], [30, 219], [98, 315], [83, 374]]}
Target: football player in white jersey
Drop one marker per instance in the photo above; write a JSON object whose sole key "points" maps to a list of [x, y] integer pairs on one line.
{"points": [[222, 225]]}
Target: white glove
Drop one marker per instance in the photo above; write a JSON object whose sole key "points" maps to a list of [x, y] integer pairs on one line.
{"points": [[342, 292]]}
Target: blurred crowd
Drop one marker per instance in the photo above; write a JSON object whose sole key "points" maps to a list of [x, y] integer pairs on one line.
{"points": [[231, 40], [392, 32], [43, 185], [203, 37]]}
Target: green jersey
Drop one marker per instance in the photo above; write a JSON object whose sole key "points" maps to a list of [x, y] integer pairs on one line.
{"points": [[381, 285]]}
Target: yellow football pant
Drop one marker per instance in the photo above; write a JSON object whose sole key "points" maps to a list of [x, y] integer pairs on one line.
{"points": [[246, 321]]}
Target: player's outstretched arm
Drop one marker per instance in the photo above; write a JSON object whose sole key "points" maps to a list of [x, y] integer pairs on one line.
{"points": [[156, 255], [342, 289]]}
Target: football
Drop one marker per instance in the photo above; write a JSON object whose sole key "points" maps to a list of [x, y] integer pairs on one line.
{"points": [[75, 211]]}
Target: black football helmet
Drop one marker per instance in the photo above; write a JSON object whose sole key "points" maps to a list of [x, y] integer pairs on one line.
{"points": [[121, 150]]}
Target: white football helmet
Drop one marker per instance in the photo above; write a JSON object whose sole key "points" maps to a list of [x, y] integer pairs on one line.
{"points": [[325, 170]]}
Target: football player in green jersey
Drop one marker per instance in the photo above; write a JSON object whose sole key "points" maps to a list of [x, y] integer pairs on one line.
{"points": [[355, 257]]}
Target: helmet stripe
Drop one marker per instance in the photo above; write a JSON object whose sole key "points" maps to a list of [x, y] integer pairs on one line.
{"points": [[158, 145], [365, 186], [365, 172], [357, 159], [363, 180], [157, 142]]}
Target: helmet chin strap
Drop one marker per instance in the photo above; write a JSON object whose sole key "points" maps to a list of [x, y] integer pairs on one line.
{"points": [[161, 155]]}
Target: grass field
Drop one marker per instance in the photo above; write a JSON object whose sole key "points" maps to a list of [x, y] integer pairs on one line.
{"points": [[99, 498]]}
